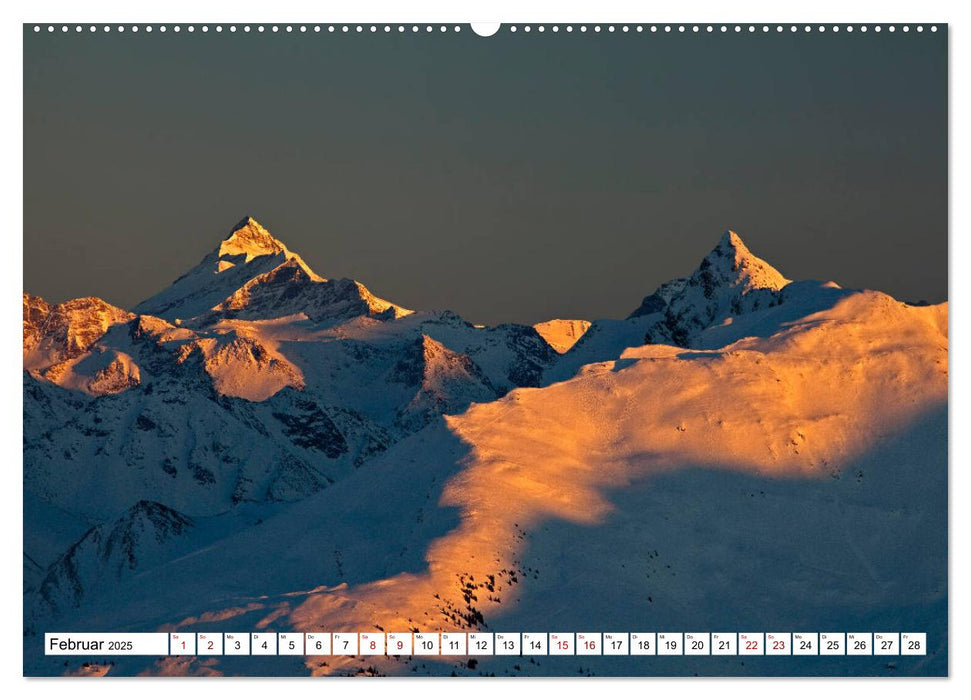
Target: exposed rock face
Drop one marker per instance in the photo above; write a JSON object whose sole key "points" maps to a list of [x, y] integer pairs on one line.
{"points": [[35, 313], [250, 239], [327, 374], [110, 372], [65, 331], [245, 366], [727, 296], [729, 281], [289, 289], [449, 382]]}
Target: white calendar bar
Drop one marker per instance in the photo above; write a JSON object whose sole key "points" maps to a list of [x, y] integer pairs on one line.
{"points": [[859, 643], [643, 643], [344, 643], [263, 644], [482, 643], [562, 644], [913, 643], [751, 643], [724, 643], [805, 643], [534, 643], [182, 644], [697, 643], [832, 643], [110, 644], [886, 643], [458, 644]]}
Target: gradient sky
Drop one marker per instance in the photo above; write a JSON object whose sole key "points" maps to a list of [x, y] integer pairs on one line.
{"points": [[515, 178]]}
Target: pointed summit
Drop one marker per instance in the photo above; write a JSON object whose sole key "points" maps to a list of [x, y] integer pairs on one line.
{"points": [[731, 239], [248, 252], [739, 266], [249, 238], [253, 275], [730, 269], [730, 280], [248, 221]]}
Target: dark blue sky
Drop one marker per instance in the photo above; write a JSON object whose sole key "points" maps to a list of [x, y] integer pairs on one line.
{"points": [[514, 178]]}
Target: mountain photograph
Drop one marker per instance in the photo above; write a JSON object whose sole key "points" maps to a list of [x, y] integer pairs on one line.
{"points": [[274, 449], [523, 377]]}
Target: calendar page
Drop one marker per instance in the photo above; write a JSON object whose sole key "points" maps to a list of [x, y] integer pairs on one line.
{"points": [[400, 348]]}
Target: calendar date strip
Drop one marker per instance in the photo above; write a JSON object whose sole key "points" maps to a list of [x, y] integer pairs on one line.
{"points": [[487, 644]]}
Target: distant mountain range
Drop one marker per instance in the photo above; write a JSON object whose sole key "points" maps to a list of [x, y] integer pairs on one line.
{"points": [[257, 444], [249, 378]]}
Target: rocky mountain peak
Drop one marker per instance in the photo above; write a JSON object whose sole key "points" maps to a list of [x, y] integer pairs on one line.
{"points": [[729, 272], [53, 333], [729, 281], [249, 252], [737, 265], [251, 239]]}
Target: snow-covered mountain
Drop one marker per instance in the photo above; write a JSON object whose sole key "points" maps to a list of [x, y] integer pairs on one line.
{"points": [[253, 275], [742, 452], [108, 553], [449, 381], [58, 344], [282, 387], [729, 285], [729, 281]]}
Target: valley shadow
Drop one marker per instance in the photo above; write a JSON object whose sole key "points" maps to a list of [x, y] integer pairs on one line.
{"points": [[705, 548], [376, 523]]}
